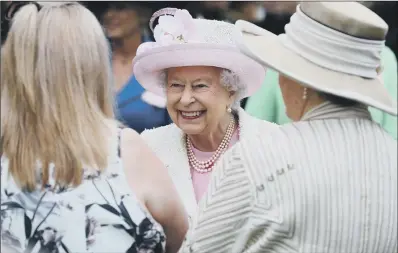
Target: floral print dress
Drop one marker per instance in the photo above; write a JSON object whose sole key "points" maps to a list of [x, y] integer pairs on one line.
{"points": [[100, 215]]}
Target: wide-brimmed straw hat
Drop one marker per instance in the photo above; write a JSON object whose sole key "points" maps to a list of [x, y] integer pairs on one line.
{"points": [[332, 47], [184, 41]]}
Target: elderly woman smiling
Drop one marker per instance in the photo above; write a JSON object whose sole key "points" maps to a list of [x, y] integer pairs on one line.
{"points": [[196, 65]]}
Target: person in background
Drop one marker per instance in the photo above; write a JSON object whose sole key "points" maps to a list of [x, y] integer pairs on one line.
{"points": [[328, 181], [269, 15], [216, 10], [251, 11], [71, 179], [123, 22], [267, 102]]}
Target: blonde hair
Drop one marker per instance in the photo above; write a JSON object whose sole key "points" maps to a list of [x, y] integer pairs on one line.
{"points": [[56, 94]]}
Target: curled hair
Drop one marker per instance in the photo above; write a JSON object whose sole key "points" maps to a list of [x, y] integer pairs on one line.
{"points": [[232, 82], [56, 98], [228, 79]]}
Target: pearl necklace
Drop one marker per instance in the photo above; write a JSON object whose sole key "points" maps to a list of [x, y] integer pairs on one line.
{"points": [[207, 166]]}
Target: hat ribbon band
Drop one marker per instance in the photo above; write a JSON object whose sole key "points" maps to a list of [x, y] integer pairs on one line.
{"points": [[332, 49]]}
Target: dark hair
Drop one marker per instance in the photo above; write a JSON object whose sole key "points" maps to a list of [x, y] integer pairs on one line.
{"points": [[99, 8], [338, 100], [8, 9], [4, 23]]}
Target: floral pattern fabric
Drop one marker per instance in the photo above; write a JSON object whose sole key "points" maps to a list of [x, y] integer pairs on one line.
{"points": [[101, 215]]}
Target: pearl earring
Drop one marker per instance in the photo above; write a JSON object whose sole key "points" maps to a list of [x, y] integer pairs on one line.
{"points": [[229, 109], [305, 94]]}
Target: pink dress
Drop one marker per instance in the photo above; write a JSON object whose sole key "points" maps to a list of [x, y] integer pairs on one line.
{"points": [[201, 181]]}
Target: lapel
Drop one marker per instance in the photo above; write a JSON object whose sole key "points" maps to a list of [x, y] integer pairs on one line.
{"points": [[230, 197], [250, 127], [181, 171], [168, 144]]}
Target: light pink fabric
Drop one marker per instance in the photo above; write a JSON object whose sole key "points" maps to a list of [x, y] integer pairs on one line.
{"points": [[201, 181], [181, 40]]}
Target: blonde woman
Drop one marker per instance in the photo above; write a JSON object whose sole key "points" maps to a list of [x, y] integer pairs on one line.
{"points": [[67, 184]]}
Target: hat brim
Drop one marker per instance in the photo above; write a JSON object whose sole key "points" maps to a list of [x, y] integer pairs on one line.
{"points": [[267, 49], [148, 65]]}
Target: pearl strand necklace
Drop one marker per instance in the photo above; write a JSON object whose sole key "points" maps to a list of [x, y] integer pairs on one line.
{"points": [[207, 166]]}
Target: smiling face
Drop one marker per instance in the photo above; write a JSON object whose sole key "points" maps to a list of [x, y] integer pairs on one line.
{"points": [[196, 100]]}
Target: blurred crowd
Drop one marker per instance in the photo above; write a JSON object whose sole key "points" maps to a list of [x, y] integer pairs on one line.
{"points": [[271, 15], [126, 26]]}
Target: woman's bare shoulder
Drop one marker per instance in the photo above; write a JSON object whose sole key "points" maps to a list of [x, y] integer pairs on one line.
{"points": [[136, 150], [130, 135], [144, 170]]}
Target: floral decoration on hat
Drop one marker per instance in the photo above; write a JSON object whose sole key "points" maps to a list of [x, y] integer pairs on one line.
{"points": [[179, 28]]}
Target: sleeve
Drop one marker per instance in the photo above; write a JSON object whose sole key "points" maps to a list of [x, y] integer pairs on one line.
{"points": [[262, 104], [267, 103], [390, 79], [387, 121]]}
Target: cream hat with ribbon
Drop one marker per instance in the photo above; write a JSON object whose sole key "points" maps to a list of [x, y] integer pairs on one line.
{"points": [[332, 47]]}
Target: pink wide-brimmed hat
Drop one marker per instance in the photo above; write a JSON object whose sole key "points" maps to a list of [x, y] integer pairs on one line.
{"points": [[332, 47], [184, 41]]}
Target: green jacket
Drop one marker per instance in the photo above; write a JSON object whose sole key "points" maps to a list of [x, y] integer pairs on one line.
{"points": [[267, 103]]}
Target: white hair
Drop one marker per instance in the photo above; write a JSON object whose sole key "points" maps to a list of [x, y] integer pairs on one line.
{"points": [[228, 79]]}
